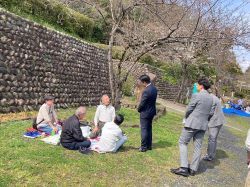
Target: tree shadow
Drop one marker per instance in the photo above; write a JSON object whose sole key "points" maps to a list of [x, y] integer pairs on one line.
{"points": [[131, 126], [159, 144], [221, 154], [162, 144], [126, 148], [205, 165]]}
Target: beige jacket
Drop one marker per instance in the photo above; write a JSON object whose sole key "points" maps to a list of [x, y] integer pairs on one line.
{"points": [[46, 113]]}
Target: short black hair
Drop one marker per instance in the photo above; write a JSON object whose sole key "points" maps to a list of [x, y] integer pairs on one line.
{"points": [[144, 78], [204, 82], [118, 119]]}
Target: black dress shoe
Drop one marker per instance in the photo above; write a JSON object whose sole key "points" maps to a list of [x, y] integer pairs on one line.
{"points": [[84, 150], [149, 148], [180, 171], [191, 172], [207, 158], [141, 149]]}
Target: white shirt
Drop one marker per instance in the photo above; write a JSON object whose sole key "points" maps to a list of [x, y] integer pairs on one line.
{"points": [[46, 114], [248, 110], [240, 102], [111, 134], [104, 113]]}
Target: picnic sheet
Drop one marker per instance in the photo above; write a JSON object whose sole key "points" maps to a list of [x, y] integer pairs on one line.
{"points": [[233, 111], [55, 139], [32, 134], [94, 143]]}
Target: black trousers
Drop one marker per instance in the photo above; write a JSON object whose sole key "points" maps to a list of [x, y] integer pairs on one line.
{"points": [[146, 132], [76, 145]]}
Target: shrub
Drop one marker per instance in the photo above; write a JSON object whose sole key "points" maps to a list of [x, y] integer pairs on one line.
{"points": [[147, 59], [100, 32], [116, 50], [54, 13], [128, 86], [172, 73], [239, 94]]}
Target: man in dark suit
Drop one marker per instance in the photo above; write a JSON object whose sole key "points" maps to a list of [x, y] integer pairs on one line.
{"points": [[147, 110], [71, 136]]}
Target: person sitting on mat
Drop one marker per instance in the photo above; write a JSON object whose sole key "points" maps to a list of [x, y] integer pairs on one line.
{"points": [[71, 136], [47, 119], [112, 137], [104, 113]]}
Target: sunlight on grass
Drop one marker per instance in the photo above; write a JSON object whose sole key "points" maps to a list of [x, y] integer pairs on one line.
{"points": [[241, 123], [32, 162]]}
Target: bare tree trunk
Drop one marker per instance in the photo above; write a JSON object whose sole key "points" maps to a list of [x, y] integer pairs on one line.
{"points": [[111, 68], [118, 96], [183, 80]]}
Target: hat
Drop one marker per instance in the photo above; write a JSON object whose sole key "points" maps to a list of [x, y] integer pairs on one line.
{"points": [[48, 97]]}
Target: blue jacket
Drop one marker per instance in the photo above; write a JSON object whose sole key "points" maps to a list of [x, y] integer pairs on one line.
{"points": [[147, 106]]}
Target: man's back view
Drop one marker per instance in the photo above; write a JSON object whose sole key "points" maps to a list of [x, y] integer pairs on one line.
{"points": [[199, 112]]}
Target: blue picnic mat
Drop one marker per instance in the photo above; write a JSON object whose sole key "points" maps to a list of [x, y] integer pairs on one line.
{"points": [[232, 111]]}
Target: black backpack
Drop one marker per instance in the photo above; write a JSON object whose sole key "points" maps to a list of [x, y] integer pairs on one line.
{"points": [[34, 124]]}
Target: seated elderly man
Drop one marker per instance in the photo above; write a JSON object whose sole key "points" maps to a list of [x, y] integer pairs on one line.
{"points": [[112, 137], [47, 119], [104, 113], [71, 136]]}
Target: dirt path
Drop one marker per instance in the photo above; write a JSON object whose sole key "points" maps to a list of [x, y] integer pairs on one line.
{"points": [[229, 168]]}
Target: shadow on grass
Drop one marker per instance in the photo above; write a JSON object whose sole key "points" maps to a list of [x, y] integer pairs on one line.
{"points": [[127, 148], [221, 154], [204, 165], [131, 126], [159, 144], [162, 144]]}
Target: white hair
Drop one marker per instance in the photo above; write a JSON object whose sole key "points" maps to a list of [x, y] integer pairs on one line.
{"points": [[81, 110], [104, 96]]}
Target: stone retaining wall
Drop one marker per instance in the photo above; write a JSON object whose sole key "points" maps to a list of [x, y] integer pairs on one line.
{"points": [[35, 61]]}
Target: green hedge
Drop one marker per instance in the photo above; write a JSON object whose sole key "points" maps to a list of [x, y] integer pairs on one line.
{"points": [[54, 13], [150, 60], [239, 94]]}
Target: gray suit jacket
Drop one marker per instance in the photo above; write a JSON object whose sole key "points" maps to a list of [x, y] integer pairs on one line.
{"points": [[200, 110], [218, 117]]}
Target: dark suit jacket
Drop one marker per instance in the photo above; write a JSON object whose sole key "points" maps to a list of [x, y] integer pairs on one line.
{"points": [[71, 131], [147, 106]]}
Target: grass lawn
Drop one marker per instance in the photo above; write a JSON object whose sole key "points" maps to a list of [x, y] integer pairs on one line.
{"points": [[241, 123], [26, 162]]}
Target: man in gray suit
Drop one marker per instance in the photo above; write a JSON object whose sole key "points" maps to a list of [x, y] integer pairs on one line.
{"points": [[199, 112], [214, 127]]}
